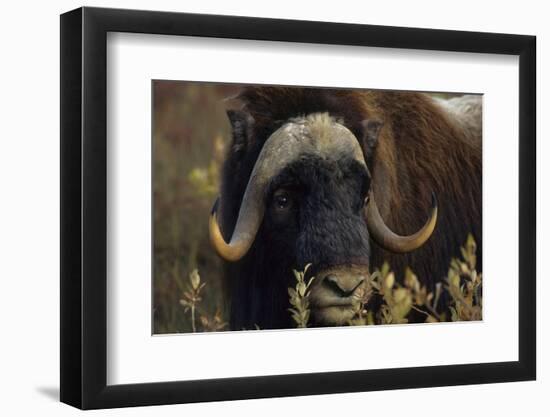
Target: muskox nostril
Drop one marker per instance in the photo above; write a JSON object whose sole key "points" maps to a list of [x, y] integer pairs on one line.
{"points": [[343, 287], [332, 282]]}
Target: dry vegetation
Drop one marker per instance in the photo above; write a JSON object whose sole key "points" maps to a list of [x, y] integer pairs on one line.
{"points": [[463, 285]]}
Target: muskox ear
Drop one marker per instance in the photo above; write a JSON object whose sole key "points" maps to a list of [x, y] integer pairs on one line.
{"points": [[371, 132], [241, 127]]}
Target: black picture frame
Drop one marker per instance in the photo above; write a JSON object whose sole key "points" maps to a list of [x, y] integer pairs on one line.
{"points": [[84, 207]]}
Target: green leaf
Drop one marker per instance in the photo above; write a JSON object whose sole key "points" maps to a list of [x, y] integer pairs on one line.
{"points": [[195, 279]]}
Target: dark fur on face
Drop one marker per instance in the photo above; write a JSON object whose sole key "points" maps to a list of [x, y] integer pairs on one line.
{"points": [[412, 147]]}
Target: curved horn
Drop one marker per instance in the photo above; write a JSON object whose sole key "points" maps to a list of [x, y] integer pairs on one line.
{"points": [[391, 241], [243, 237], [283, 147]]}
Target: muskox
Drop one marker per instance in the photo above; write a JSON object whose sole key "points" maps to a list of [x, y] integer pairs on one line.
{"points": [[344, 180]]}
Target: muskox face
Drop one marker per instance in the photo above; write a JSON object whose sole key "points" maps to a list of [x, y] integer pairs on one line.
{"points": [[315, 214], [309, 193]]}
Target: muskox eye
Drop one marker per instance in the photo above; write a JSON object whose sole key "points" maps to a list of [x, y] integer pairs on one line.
{"points": [[282, 200]]}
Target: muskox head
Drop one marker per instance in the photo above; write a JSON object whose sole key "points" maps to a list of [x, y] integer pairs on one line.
{"points": [[310, 190]]}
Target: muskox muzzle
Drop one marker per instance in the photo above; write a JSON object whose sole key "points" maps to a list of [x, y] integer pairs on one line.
{"points": [[337, 293]]}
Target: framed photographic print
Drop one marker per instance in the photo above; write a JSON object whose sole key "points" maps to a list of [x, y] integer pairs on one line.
{"points": [[256, 208]]}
